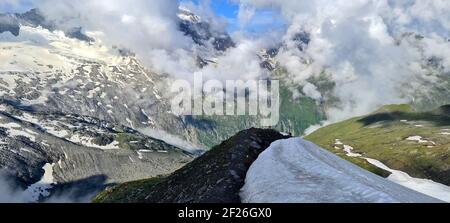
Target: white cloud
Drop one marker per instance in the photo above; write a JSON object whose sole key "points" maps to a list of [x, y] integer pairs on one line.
{"points": [[151, 30], [311, 91], [9, 192], [146, 27], [10, 4], [358, 43], [240, 62]]}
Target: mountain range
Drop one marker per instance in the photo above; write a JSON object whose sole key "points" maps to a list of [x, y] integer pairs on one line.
{"points": [[78, 117]]}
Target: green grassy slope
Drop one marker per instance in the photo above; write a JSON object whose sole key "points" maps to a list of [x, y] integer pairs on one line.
{"points": [[383, 135], [127, 192]]}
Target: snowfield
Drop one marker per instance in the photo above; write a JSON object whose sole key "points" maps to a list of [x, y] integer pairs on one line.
{"points": [[298, 171]]}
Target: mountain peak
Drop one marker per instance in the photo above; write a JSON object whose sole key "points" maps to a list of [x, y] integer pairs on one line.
{"points": [[12, 22], [186, 15], [9, 23], [201, 31]]}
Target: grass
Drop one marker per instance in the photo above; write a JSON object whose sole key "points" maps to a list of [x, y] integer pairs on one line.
{"points": [[382, 136], [124, 140], [127, 192]]}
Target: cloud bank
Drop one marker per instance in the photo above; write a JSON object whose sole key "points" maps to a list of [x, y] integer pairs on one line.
{"points": [[363, 46]]}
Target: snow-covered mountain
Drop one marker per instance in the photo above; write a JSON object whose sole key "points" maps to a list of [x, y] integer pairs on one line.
{"points": [[55, 73], [12, 22], [70, 104], [211, 43], [52, 153], [73, 72], [297, 171], [201, 31], [75, 106]]}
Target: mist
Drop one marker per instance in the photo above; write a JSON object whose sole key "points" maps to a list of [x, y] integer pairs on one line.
{"points": [[9, 191], [363, 47]]}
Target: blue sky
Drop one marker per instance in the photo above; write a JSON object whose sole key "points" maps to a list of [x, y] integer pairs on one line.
{"points": [[8, 7], [225, 8], [263, 20]]}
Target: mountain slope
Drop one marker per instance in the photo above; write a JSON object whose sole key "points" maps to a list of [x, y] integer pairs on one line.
{"points": [[297, 171], [78, 153], [416, 143], [53, 71], [215, 177], [296, 115]]}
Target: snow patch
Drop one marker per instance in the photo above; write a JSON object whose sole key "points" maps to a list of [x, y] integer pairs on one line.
{"points": [[130, 122], [41, 188], [87, 141], [140, 155], [58, 133], [349, 150], [14, 129], [425, 186], [417, 138], [297, 171]]}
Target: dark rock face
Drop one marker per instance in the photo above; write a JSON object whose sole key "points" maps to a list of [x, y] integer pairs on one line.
{"points": [[218, 175], [202, 33], [267, 65], [215, 177], [10, 24], [443, 110], [76, 33], [302, 39], [35, 18], [222, 43]]}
